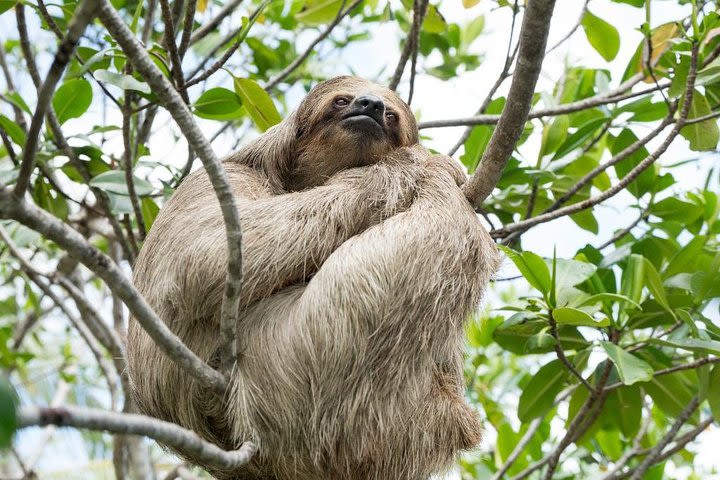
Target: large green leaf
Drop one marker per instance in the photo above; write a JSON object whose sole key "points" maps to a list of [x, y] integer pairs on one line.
{"points": [[604, 38], [630, 368], [218, 104], [538, 396], [669, 393], [257, 102], [72, 99], [703, 136], [532, 267], [573, 316]]}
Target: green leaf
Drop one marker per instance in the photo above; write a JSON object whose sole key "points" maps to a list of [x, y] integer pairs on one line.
{"points": [[669, 393], [6, 5], [573, 316], [319, 12], [703, 136], [713, 395], [633, 276], [696, 345], [519, 334], [126, 82], [538, 396], [630, 368], [8, 415], [604, 38], [13, 131], [434, 22], [218, 104], [554, 134], [654, 284], [532, 267], [572, 272], [114, 181], [601, 297], [625, 407], [257, 102], [579, 137], [686, 258], [149, 211], [72, 99]]}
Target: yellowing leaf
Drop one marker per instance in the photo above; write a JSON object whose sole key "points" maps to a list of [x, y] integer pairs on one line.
{"points": [[434, 21], [201, 5], [470, 3], [319, 12]]}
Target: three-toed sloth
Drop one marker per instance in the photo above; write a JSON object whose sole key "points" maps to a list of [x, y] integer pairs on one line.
{"points": [[361, 261]]}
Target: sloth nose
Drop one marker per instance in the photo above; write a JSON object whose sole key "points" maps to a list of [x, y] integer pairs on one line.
{"points": [[371, 106]]}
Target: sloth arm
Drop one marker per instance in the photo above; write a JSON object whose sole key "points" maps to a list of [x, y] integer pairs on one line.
{"points": [[285, 237]]}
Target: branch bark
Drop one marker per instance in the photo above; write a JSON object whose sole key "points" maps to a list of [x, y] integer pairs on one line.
{"points": [[133, 424], [84, 14], [173, 102], [76, 245], [533, 39]]}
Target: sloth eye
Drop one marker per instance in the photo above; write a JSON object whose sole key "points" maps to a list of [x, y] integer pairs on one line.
{"points": [[391, 116], [341, 102]]}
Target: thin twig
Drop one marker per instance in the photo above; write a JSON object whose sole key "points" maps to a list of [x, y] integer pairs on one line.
{"points": [[561, 355], [632, 175], [653, 455], [504, 74], [210, 25], [128, 166], [419, 9], [84, 14], [519, 448], [76, 245], [273, 82]]}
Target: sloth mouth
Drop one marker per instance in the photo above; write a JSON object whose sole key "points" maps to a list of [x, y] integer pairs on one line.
{"points": [[363, 122]]}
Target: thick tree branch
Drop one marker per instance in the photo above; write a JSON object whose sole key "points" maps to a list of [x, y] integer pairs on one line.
{"points": [[84, 14], [132, 424], [76, 245], [172, 101], [533, 38]]}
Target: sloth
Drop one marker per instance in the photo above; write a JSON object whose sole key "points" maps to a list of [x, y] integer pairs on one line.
{"points": [[362, 260]]}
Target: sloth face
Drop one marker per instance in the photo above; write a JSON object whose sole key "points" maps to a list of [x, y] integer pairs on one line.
{"points": [[348, 122]]}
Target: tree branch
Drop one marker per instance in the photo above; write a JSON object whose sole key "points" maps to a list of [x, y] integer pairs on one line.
{"points": [[533, 38], [653, 455], [133, 424], [175, 105], [529, 434], [419, 9], [74, 243], [273, 82], [84, 14]]}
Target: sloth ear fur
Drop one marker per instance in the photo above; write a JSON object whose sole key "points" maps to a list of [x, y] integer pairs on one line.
{"points": [[273, 153]]}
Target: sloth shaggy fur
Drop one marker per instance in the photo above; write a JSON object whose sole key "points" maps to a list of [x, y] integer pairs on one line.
{"points": [[362, 260]]}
